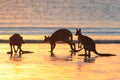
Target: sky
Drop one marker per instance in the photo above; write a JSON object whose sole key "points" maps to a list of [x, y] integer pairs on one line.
{"points": [[60, 13]]}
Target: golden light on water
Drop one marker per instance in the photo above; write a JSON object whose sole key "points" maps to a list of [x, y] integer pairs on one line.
{"points": [[39, 65]]}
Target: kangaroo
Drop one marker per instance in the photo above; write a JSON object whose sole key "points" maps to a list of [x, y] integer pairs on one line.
{"points": [[88, 44], [16, 40], [60, 35]]}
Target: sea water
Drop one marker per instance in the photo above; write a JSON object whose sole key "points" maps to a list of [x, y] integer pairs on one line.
{"points": [[42, 31], [49, 30]]}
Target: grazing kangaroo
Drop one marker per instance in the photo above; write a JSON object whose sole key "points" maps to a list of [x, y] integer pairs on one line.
{"points": [[88, 44], [16, 40], [60, 35]]}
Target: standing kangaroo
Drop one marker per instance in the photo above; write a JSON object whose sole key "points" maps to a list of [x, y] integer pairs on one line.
{"points": [[88, 44], [16, 40], [60, 35]]}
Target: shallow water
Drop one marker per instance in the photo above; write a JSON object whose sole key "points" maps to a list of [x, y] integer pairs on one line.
{"points": [[107, 31], [40, 66]]}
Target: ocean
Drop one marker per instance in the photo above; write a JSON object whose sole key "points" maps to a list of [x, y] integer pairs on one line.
{"points": [[106, 31], [42, 31]]}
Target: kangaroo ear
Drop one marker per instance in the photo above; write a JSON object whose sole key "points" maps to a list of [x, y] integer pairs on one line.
{"points": [[79, 29], [76, 29]]}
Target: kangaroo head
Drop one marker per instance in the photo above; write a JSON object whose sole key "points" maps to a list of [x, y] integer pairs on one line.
{"points": [[46, 38], [78, 32]]}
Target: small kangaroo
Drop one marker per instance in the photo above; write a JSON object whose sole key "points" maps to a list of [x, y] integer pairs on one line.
{"points": [[60, 35], [16, 40], [88, 44]]}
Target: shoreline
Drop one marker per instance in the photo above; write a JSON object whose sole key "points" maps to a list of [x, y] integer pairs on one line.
{"points": [[75, 41], [40, 38]]}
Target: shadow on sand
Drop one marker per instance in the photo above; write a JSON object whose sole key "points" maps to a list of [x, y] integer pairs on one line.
{"points": [[23, 52]]}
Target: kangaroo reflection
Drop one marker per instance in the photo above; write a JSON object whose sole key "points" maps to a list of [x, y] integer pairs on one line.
{"points": [[67, 58]]}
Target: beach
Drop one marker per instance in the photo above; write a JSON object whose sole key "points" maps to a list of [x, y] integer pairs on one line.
{"points": [[34, 19], [40, 66]]}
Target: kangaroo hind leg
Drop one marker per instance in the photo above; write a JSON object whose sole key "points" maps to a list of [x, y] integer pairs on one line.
{"points": [[89, 55], [52, 46], [11, 53], [72, 45]]}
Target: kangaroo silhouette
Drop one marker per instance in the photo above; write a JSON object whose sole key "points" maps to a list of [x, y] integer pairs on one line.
{"points": [[88, 44], [63, 35], [16, 40]]}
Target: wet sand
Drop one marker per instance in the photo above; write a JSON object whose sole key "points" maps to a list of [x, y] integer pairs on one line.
{"points": [[40, 66]]}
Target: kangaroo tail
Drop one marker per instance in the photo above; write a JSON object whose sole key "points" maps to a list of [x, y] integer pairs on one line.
{"points": [[103, 54], [77, 50]]}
